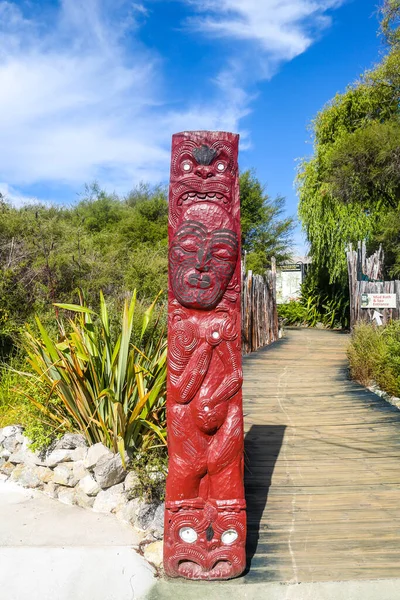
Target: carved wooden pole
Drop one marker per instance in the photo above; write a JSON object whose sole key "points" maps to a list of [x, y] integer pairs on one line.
{"points": [[205, 517]]}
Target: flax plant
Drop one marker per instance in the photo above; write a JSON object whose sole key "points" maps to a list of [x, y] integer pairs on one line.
{"points": [[111, 391]]}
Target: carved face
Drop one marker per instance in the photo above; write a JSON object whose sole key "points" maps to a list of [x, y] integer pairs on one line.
{"points": [[201, 172], [203, 256], [206, 544]]}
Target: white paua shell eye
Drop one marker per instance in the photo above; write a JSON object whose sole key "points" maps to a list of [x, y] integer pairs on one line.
{"points": [[187, 534], [215, 335], [229, 536], [186, 166], [221, 166]]}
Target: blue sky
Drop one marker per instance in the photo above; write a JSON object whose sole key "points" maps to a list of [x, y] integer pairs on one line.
{"points": [[94, 89]]}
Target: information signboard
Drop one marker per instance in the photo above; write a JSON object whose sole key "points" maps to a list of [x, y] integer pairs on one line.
{"points": [[378, 301]]}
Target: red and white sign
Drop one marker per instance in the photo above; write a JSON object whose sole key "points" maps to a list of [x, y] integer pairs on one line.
{"points": [[378, 301]]}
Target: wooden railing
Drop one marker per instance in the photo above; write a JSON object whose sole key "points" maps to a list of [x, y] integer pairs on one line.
{"points": [[259, 311]]}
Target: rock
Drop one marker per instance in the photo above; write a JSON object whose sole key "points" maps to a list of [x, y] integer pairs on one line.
{"points": [[26, 476], [88, 485], [109, 471], [95, 453], [145, 515], [110, 500], [82, 499], [19, 436], [64, 475], [11, 430], [157, 526], [7, 468], [45, 474], [59, 456], [66, 495], [11, 444], [79, 470], [5, 454], [127, 513], [25, 455], [3, 477], [70, 441], [154, 553], [51, 489], [131, 482], [2, 461]]}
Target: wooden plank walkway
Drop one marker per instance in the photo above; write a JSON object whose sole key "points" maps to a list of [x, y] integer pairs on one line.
{"points": [[323, 466]]}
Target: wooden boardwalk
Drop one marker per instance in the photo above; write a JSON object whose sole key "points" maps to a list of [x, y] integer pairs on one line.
{"points": [[323, 466]]}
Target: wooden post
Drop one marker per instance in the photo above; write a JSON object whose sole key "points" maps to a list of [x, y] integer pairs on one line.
{"points": [[205, 517]]}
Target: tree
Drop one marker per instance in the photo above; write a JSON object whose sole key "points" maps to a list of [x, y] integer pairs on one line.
{"points": [[390, 15], [266, 232], [352, 181]]}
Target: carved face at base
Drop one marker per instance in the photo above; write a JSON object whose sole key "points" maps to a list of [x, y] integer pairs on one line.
{"points": [[203, 256], [205, 544]]}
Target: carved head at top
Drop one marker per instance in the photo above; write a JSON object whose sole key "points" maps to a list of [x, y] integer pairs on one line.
{"points": [[202, 169]]}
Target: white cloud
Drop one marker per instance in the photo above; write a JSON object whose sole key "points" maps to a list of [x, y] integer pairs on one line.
{"points": [[76, 106], [81, 99], [281, 29], [12, 196]]}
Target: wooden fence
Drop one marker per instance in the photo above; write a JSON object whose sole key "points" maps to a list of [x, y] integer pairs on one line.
{"points": [[259, 311], [366, 277]]}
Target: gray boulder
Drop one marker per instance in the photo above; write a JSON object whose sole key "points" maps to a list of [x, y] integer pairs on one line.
{"points": [[110, 500], [26, 476], [45, 474], [109, 471], [56, 457], [11, 443], [88, 485], [7, 468], [70, 441], [95, 453], [66, 495], [145, 515], [127, 513], [157, 526], [11, 430], [79, 469], [82, 499], [51, 489], [131, 482], [64, 475], [24, 455]]}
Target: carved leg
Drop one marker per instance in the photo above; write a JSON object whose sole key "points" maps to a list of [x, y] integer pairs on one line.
{"points": [[188, 455], [225, 459]]}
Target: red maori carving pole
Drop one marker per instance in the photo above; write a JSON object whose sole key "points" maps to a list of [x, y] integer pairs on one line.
{"points": [[205, 517]]}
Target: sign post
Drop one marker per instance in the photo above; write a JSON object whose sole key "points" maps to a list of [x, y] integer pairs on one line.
{"points": [[378, 301]]}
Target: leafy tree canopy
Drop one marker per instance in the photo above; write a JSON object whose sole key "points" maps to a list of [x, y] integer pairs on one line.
{"points": [[266, 231], [352, 180]]}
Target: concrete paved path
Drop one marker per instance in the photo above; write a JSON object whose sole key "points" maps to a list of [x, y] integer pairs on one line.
{"points": [[50, 551]]}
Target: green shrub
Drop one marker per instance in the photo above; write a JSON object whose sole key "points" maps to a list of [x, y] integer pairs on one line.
{"points": [[316, 307], [15, 408], [292, 313], [97, 381], [374, 355]]}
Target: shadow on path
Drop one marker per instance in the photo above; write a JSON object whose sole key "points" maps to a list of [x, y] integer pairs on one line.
{"points": [[262, 446]]}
